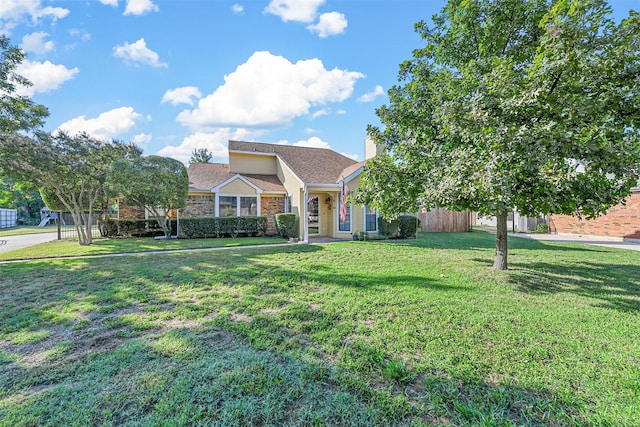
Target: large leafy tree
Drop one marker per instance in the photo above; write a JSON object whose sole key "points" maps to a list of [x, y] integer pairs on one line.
{"points": [[160, 184], [17, 113], [71, 171], [531, 105]]}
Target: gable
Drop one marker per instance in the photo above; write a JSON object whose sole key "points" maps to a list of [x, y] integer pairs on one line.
{"points": [[236, 186]]}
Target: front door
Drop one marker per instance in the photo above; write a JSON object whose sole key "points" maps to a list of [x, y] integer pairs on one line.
{"points": [[313, 214]]}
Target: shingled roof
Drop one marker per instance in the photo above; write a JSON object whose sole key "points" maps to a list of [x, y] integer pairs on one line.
{"points": [[204, 176], [311, 165]]}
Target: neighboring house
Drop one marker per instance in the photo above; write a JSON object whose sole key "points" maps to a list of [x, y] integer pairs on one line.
{"points": [[267, 179], [621, 221]]}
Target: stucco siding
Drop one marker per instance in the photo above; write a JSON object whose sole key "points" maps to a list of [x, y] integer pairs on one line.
{"points": [[252, 164], [237, 186]]}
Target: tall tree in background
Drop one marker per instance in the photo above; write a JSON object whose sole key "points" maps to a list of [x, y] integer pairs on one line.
{"points": [[70, 171], [17, 113], [201, 155], [160, 184], [531, 105]]}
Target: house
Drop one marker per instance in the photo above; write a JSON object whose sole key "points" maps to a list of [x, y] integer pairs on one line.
{"points": [[620, 221], [267, 179]]}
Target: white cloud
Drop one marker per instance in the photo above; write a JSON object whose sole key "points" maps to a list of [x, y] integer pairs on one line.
{"points": [[44, 76], [313, 142], [321, 112], [269, 91], [138, 53], [181, 95], [294, 10], [13, 12], [35, 43], [370, 96], [329, 24], [237, 8], [216, 142], [81, 34], [109, 2], [352, 156], [310, 130], [341, 112], [106, 126], [141, 138], [140, 7]]}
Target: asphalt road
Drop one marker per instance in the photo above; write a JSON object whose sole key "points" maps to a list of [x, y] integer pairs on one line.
{"points": [[11, 243]]}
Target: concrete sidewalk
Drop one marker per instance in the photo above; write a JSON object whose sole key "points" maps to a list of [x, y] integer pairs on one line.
{"points": [[11, 243], [609, 242]]}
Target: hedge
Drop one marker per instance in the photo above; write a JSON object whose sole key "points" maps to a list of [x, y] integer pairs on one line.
{"points": [[228, 226], [286, 225], [135, 227], [388, 227], [403, 227], [408, 226]]}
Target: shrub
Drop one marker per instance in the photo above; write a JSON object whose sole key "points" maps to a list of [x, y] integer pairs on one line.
{"points": [[286, 225], [388, 227], [135, 227], [408, 226], [542, 228], [228, 226]]}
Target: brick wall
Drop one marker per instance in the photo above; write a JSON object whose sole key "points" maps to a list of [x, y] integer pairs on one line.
{"points": [[199, 206], [269, 207], [620, 221]]}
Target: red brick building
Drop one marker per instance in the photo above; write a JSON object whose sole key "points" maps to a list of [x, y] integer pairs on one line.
{"points": [[621, 221]]}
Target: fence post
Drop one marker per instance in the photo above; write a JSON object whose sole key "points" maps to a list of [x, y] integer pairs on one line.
{"points": [[59, 222]]}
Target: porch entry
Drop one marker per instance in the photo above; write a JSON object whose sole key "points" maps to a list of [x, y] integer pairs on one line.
{"points": [[313, 214]]}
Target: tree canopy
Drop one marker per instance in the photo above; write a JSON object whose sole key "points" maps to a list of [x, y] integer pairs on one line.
{"points": [[17, 113], [513, 104], [201, 155], [160, 184], [71, 171]]}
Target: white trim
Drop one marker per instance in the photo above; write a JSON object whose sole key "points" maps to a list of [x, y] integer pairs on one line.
{"points": [[237, 196], [364, 215], [258, 153], [305, 229], [217, 188], [353, 174]]}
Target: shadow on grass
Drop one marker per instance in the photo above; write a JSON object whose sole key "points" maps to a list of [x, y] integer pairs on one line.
{"points": [[616, 286], [101, 306]]}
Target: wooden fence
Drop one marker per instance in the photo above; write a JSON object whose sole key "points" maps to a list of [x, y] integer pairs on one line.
{"points": [[444, 220]]}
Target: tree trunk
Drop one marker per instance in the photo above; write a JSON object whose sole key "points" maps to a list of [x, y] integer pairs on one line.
{"points": [[500, 262]]}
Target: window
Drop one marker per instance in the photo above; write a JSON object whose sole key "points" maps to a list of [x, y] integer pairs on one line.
{"points": [[228, 206], [237, 206], [370, 219], [248, 206], [346, 224]]}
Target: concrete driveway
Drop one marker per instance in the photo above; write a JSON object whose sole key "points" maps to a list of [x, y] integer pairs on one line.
{"points": [[11, 243], [609, 242]]}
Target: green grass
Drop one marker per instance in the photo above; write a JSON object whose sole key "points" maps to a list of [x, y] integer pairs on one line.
{"points": [[353, 333], [67, 248], [16, 231]]}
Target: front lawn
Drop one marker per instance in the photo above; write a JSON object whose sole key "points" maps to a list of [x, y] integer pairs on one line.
{"points": [[67, 248], [21, 230], [352, 333]]}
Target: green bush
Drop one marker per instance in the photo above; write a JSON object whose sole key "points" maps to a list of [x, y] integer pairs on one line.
{"points": [[388, 227], [408, 226], [228, 226], [542, 228], [135, 227], [286, 225]]}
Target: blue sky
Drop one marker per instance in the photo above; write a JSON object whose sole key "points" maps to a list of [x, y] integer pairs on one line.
{"points": [[175, 75]]}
